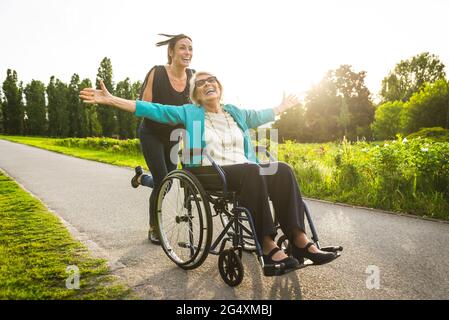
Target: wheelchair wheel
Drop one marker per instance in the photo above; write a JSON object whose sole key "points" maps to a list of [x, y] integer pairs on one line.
{"points": [[230, 267], [183, 219]]}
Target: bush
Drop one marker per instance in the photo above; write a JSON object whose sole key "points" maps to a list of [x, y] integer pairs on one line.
{"points": [[436, 134], [130, 146]]}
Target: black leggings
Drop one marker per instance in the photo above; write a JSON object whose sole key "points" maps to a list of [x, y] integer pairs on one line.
{"points": [[156, 151]]}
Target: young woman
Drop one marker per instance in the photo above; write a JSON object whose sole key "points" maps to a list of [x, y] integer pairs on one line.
{"points": [[224, 132], [164, 84]]}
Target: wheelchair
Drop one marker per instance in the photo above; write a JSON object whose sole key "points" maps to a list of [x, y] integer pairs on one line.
{"points": [[184, 220]]}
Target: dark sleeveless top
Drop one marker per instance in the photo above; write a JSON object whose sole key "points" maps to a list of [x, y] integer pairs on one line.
{"points": [[164, 93]]}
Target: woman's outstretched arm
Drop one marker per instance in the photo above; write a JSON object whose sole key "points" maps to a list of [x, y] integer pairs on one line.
{"points": [[102, 96], [172, 115]]}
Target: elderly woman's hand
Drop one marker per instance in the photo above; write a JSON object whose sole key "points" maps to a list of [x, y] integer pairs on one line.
{"points": [[288, 101], [92, 96]]}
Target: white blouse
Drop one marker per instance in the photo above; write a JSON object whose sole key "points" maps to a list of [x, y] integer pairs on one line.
{"points": [[224, 139]]}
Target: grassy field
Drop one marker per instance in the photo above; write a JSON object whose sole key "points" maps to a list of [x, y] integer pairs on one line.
{"points": [[36, 249], [400, 175], [101, 150]]}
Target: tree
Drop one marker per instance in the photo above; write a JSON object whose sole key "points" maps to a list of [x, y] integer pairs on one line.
{"points": [[58, 116], [127, 122], [409, 76], [344, 118], [339, 105], [75, 109], [90, 126], [427, 108], [291, 125], [135, 92], [2, 130], [35, 108], [387, 120], [106, 115], [13, 109]]}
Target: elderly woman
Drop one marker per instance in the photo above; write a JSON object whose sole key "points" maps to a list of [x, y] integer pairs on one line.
{"points": [[223, 130]]}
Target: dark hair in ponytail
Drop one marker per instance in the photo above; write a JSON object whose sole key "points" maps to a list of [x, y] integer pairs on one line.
{"points": [[173, 39]]}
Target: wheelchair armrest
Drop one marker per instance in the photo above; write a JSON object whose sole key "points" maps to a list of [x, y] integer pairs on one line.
{"points": [[220, 171], [267, 153], [217, 167]]}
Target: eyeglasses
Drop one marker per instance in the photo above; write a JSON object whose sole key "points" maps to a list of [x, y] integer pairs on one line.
{"points": [[202, 82]]}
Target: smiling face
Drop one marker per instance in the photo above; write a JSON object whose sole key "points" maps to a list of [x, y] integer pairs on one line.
{"points": [[182, 52], [207, 89]]}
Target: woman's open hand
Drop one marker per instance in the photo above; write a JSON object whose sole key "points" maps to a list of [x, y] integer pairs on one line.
{"points": [[92, 96], [288, 101]]}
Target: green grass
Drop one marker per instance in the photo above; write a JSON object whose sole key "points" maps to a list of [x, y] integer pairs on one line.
{"points": [[107, 154], [36, 249]]}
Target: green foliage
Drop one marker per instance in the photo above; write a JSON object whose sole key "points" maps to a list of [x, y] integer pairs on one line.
{"points": [[291, 125], [409, 76], [106, 115], [75, 109], [402, 175], [127, 122], [90, 123], [2, 130], [58, 115], [35, 108], [13, 109], [339, 105], [387, 120], [427, 108], [127, 147], [435, 134]]}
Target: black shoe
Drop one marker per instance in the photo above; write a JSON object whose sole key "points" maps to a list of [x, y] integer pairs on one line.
{"points": [[317, 258], [153, 237], [277, 268], [134, 181]]}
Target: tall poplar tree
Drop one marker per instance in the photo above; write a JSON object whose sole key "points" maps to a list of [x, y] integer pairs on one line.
{"points": [[13, 109], [90, 125], [106, 115], [58, 117], [74, 107], [127, 122], [35, 108]]}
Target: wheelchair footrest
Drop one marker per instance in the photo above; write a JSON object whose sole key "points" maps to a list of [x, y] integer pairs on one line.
{"points": [[272, 270], [332, 248]]}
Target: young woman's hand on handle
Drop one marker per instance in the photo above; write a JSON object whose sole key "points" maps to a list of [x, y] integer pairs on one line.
{"points": [[102, 96]]}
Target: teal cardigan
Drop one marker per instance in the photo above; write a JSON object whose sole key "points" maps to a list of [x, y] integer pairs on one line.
{"points": [[192, 117]]}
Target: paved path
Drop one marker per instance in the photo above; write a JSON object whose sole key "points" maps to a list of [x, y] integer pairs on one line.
{"points": [[100, 208]]}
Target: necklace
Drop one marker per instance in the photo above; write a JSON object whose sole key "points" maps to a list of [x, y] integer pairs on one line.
{"points": [[233, 138]]}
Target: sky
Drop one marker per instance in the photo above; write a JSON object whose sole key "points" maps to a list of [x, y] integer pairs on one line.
{"points": [[258, 49]]}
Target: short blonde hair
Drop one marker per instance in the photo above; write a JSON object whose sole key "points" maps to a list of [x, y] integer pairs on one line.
{"points": [[192, 87]]}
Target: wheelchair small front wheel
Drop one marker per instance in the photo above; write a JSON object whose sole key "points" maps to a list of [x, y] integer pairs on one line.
{"points": [[230, 267]]}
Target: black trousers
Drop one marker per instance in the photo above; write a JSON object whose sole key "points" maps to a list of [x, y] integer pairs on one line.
{"points": [[254, 190]]}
